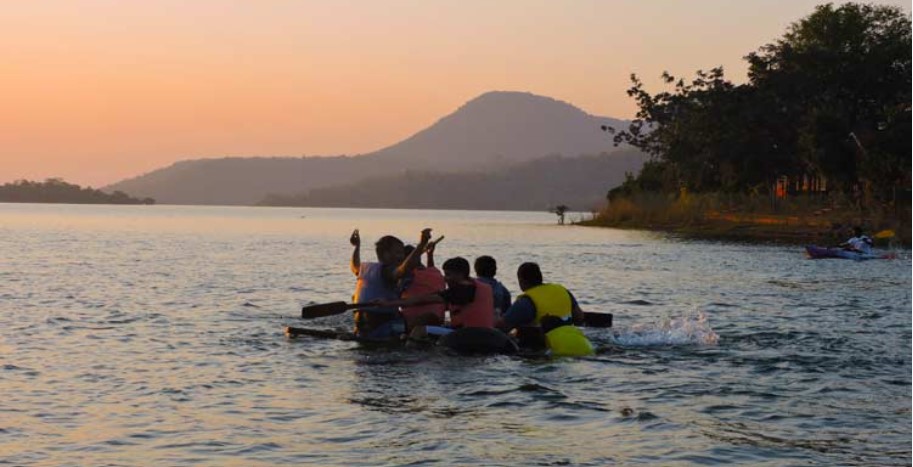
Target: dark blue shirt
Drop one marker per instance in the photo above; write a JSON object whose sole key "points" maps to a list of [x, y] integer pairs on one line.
{"points": [[523, 311], [501, 294]]}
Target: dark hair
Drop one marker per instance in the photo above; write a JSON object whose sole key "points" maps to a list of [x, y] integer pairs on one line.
{"points": [[486, 266], [857, 230], [530, 274], [386, 242], [457, 264]]}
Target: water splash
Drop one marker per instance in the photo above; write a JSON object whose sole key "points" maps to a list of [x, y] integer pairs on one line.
{"points": [[689, 329]]}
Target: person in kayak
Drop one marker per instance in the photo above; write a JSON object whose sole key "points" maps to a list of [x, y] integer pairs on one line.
{"points": [[377, 281], [860, 242], [470, 301], [486, 267], [423, 280], [550, 307]]}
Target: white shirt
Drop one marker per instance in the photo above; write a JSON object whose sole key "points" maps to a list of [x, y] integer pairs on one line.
{"points": [[861, 243]]}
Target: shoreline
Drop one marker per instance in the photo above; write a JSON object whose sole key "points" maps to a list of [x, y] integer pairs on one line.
{"points": [[753, 229]]}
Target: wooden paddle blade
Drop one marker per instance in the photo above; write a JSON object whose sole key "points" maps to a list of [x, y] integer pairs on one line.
{"points": [[325, 309], [597, 320], [292, 332]]}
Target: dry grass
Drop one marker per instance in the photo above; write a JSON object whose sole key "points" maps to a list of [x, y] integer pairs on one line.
{"points": [[795, 219]]}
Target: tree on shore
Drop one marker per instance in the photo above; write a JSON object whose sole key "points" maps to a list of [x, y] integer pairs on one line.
{"points": [[561, 210], [55, 190], [830, 98]]}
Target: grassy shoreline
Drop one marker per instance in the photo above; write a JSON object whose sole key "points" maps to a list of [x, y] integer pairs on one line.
{"points": [[710, 217]]}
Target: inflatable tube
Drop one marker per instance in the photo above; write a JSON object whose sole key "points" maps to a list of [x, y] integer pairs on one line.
{"points": [[478, 341]]}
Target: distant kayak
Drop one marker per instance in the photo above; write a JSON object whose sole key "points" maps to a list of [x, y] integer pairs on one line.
{"points": [[820, 252]]}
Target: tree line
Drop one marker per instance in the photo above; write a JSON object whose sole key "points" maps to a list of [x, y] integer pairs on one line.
{"points": [[55, 190], [829, 99]]}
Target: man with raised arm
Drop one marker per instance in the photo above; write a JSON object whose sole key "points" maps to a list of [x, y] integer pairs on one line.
{"points": [[377, 281]]}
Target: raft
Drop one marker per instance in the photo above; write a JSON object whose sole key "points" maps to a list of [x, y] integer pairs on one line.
{"points": [[464, 341], [478, 341]]}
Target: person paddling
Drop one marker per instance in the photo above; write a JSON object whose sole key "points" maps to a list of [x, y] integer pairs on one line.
{"points": [[550, 307], [377, 281], [860, 242]]}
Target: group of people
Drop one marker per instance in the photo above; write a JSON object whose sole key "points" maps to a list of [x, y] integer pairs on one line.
{"points": [[404, 297]]}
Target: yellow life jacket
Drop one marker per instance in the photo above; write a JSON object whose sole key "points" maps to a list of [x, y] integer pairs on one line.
{"points": [[555, 300], [550, 299]]}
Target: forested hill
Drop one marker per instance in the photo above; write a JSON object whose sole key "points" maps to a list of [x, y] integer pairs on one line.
{"points": [[490, 132], [58, 191], [501, 128], [579, 182]]}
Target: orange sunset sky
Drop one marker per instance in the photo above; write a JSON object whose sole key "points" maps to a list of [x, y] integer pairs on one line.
{"points": [[96, 91]]}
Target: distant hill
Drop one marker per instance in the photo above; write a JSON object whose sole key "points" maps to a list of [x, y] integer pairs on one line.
{"points": [[492, 131], [55, 190], [578, 182], [502, 128]]}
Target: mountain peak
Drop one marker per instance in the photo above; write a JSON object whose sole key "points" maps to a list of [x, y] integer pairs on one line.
{"points": [[502, 127], [511, 100], [507, 97]]}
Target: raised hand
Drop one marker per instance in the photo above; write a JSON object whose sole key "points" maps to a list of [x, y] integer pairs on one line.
{"points": [[355, 239], [426, 236]]}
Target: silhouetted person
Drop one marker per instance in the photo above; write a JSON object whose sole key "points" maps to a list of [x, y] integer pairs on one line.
{"points": [[552, 308], [486, 267], [423, 280], [377, 281]]}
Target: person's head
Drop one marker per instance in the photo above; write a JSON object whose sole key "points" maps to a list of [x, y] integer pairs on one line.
{"points": [[390, 250], [456, 270], [486, 266], [857, 231], [529, 275]]}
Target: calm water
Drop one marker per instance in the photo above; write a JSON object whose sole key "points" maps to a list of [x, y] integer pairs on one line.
{"points": [[152, 335]]}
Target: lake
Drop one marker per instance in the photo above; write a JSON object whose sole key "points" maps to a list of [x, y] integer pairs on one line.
{"points": [[139, 335]]}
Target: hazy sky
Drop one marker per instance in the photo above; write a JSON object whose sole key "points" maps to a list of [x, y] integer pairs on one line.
{"points": [[98, 90]]}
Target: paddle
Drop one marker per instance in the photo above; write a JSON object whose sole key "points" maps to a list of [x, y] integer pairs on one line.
{"points": [[592, 319], [886, 233], [331, 309], [292, 331]]}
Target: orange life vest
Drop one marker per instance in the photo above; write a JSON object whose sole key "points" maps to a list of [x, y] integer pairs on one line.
{"points": [[424, 281], [478, 314]]}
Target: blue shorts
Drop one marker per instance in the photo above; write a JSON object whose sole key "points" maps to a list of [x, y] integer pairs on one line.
{"points": [[392, 329], [437, 330]]}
